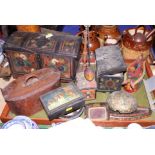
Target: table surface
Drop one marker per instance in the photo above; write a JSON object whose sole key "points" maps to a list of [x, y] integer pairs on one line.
{"points": [[73, 29]]}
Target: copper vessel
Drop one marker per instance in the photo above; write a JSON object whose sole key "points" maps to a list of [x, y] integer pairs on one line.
{"points": [[109, 33], [28, 28], [138, 38]]}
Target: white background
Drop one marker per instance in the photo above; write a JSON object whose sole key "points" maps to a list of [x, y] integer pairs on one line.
{"points": [[77, 141]]}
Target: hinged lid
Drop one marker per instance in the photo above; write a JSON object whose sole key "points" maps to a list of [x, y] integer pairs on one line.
{"points": [[62, 98], [109, 60], [64, 45], [30, 84]]}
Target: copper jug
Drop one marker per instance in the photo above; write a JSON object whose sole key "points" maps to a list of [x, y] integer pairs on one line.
{"points": [[138, 38], [28, 28], [109, 33]]}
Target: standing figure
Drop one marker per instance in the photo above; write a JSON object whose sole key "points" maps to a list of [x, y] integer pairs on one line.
{"points": [[134, 75]]}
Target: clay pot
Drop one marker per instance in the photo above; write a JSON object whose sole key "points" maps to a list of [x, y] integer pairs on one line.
{"points": [[94, 43], [109, 33], [28, 28]]}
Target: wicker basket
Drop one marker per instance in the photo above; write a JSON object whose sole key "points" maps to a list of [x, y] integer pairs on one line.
{"points": [[131, 55], [131, 49]]}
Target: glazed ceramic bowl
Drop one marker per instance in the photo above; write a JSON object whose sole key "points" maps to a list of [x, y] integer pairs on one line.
{"points": [[27, 121], [20, 122], [14, 124]]}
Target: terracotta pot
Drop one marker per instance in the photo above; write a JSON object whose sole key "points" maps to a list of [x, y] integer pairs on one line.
{"points": [[94, 43], [28, 28], [109, 33]]}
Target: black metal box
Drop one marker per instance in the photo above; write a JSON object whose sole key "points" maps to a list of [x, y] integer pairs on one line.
{"points": [[110, 68], [62, 101]]}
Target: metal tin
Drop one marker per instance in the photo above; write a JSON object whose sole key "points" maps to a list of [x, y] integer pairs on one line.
{"points": [[62, 101]]}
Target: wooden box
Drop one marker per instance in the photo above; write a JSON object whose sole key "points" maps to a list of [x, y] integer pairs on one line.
{"points": [[22, 94], [88, 88], [28, 51]]}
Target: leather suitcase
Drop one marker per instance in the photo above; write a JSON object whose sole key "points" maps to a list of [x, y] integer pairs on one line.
{"points": [[28, 51], [22, 95]]}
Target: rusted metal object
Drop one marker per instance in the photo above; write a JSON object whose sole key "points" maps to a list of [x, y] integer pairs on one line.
{"points": [[22, 95]]}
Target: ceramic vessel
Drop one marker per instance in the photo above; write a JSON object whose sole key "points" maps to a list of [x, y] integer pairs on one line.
{"points": [[138, 38], [94, 42], [20, 122], [109, 33]]}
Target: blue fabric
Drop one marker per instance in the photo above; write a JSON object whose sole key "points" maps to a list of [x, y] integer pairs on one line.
{"points": [[73, 29]]}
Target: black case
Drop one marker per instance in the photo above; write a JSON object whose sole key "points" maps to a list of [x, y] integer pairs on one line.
{"points": [[62, 101], [110, 68]]}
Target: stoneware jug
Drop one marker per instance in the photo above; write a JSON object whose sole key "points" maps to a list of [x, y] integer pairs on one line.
{"points": [[109, 33]]}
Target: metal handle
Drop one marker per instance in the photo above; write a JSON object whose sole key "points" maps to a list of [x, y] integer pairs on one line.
{"points": [[138, 27]]}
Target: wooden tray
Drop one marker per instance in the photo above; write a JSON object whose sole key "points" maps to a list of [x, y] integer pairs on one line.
{"points": [[42, 119], [106, 123]]}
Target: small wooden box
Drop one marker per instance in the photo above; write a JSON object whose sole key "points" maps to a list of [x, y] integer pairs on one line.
{"points": [[88, 88], [28, 51]]}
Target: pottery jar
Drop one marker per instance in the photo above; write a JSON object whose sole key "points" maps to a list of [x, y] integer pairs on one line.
{"points": [[109, 33]]}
